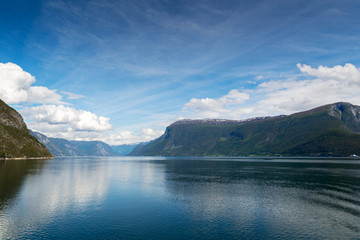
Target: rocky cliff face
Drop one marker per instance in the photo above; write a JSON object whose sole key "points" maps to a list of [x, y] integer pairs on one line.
{"points": [[347, 113], [11, 118], [15, 139]]}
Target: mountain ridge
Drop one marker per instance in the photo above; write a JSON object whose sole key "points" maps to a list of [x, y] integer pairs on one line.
{"points": [[62, 147], [329, 130]]}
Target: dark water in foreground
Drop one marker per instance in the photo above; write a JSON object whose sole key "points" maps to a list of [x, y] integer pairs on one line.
{"points": [[188, 198]]}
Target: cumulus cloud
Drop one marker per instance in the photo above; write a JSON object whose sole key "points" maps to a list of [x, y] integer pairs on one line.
{"points": [[79, 120], [129, 137], [16, 87], [315, 87], [346, 74], [118, 137], [148, 134], [233, 97], [61, 128], [214, 107], [322, 85], [53, 118]]}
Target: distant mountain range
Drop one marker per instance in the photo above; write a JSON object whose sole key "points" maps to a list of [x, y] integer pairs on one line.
{"points": [[15, 138], [63, 147], [124, 149], [330, 130]]}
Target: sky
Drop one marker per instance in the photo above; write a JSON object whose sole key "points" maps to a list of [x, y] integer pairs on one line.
{"points": [[121, 71]]}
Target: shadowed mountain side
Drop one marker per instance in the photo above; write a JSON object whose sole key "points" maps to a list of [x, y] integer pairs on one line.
{"points": [[330, 130], [15, 138], [12, 175]]}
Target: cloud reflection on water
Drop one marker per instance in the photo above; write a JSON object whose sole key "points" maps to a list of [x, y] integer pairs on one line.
{"points": [[64, 185], [195, 198]]}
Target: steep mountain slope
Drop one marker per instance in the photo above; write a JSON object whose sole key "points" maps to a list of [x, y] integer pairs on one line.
{"points": [[15, 139], [58, 146], [328, 130], [63, 147]]}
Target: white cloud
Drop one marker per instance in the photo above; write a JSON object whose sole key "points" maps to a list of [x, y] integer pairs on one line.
{"points": [[129, 137], [112, 136], [346, 74], [149, 134], [214, 107], [326, 85], [316, 87], [118, 137], [56, 120], [204, 103], [79, 120], [16, 87]]}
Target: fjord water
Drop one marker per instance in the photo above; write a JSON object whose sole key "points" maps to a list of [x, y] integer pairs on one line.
{"points": [[180, 198]]}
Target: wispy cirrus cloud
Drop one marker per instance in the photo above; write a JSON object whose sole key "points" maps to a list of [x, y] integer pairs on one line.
{"points": [[72, 96]]}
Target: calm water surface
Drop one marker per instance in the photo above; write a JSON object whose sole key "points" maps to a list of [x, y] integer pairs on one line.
{"points": [[179, 198]]}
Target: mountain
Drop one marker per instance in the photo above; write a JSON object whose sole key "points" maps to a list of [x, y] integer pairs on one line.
{"points": [[94, 148], [63, 147], [15, 138], [58, 146], [330, 130], [124, 149]]}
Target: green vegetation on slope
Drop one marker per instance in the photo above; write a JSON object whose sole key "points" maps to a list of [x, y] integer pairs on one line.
{"points": [[327, 130], [15, 139]]}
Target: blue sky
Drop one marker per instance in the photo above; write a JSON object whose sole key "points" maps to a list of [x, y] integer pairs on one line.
{"points": [[121, 71]]}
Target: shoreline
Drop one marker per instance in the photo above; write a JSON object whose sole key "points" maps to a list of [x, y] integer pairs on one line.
{"points": [[25, 158]]}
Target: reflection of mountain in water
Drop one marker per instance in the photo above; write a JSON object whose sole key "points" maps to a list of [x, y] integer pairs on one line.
{"points": [[44, 195], [12, 176], [241, 195]]}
